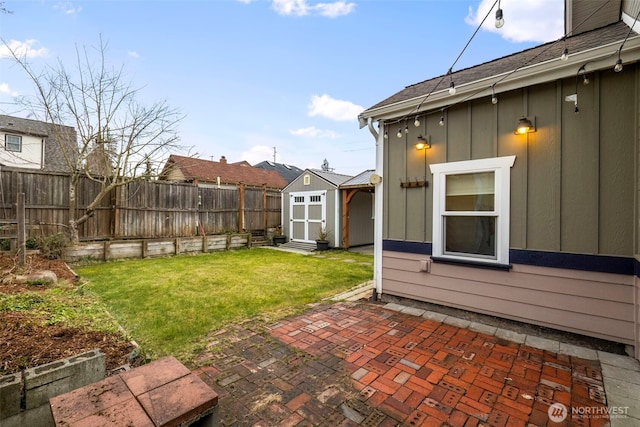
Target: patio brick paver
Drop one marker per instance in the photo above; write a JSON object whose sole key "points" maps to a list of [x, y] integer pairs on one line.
{"points": [[360, 364]]}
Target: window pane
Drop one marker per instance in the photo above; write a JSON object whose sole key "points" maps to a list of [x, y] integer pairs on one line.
{"points": [[470, 235], [470, 192], [13, 143]]}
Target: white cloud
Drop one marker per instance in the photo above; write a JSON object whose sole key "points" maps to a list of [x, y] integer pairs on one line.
{"points": [[133, 54], [303, 8], [314, 132], [338, 8], [524, 20], [68, 8], [22, 49], [334, 109], [5, 89]]}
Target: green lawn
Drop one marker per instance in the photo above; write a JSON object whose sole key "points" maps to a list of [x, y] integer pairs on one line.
{"points": [[169, 305]]}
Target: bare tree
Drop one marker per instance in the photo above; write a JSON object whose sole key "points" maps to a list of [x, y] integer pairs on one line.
{"points": [[4, 9], [118, 140]]}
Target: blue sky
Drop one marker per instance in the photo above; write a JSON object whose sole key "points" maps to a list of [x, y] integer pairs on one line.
{"points": [[290, 74]]}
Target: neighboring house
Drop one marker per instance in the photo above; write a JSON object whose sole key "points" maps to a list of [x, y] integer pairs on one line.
{"points": [[538, 226], [315, 201], [33, 144], [288, 172], [221, 174]]}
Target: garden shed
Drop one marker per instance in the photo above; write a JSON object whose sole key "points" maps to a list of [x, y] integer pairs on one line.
{"points": [[510, 188], [316, 200]]}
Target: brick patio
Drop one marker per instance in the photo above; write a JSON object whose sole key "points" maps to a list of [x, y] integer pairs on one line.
{"points": [[348, 364]]}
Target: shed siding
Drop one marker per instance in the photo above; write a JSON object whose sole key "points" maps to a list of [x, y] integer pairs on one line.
{"points": [[315, 184], [596, 304], [361, 219]]}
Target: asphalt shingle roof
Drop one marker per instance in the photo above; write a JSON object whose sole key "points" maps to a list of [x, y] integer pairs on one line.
{"points": [[54, 157], [288, 172], [229, 173], [536, 55]]}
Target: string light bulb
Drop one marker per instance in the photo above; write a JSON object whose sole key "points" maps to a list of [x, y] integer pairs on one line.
{"points": [[585, 79], [565, 54], [499, 17], [416, 122], [618, 67], [441, 122], [386, 134], [452, 88], [406, 129], [399, 134], [494, 98]]}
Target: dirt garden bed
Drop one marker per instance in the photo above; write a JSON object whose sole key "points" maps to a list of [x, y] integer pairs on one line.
{"points": [[27, 339]]}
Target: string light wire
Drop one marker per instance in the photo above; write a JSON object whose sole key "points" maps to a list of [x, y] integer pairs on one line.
{"points": [[524, 64]]}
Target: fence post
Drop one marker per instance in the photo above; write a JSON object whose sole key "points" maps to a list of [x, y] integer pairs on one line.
{"points": [[264, 207], [20, 217], [240, 208]]}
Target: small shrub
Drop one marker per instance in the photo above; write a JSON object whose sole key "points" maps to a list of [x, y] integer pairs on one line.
{"points": [[52, 246], [31, 243], [5, 245]]}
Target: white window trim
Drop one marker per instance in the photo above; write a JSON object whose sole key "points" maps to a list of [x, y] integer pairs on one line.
{"points": [[501, 166], [6, 143]]}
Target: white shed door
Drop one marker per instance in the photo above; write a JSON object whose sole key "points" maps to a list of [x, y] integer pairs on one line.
{"points": [[308, 215]]}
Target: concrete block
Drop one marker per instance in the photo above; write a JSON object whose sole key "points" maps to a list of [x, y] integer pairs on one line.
{"points": [[10, 386], [46, 381], [37, 417]]}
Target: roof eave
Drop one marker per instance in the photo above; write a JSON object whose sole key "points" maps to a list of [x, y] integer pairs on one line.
{"points": [[595, 59]]}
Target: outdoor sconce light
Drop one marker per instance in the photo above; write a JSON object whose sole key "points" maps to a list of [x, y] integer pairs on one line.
{"points": [[422, 143], [524, 126]]}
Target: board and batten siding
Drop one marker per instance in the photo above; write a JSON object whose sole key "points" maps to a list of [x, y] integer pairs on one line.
{"points": [[574, 190], [572, 184]]}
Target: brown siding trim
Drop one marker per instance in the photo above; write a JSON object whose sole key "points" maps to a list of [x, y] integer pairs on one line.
{"points": [[571, 261]]}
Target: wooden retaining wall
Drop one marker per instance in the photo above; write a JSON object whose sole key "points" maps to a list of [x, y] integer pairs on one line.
{"points": [[147, 248]]}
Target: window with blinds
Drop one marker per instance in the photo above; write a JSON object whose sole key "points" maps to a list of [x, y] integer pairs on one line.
{"points": [[471, 203]]}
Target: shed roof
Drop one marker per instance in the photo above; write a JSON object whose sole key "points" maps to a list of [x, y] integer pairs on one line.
{"points": [[584, 42], [360, 180], [229, 173], [332, 177]]}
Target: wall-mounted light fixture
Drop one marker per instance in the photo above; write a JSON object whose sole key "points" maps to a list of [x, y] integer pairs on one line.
{"points": [[423, 143], [524, 126]]}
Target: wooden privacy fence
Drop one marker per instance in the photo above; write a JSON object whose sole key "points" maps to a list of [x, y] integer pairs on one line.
{"points": [[143, 209]]}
